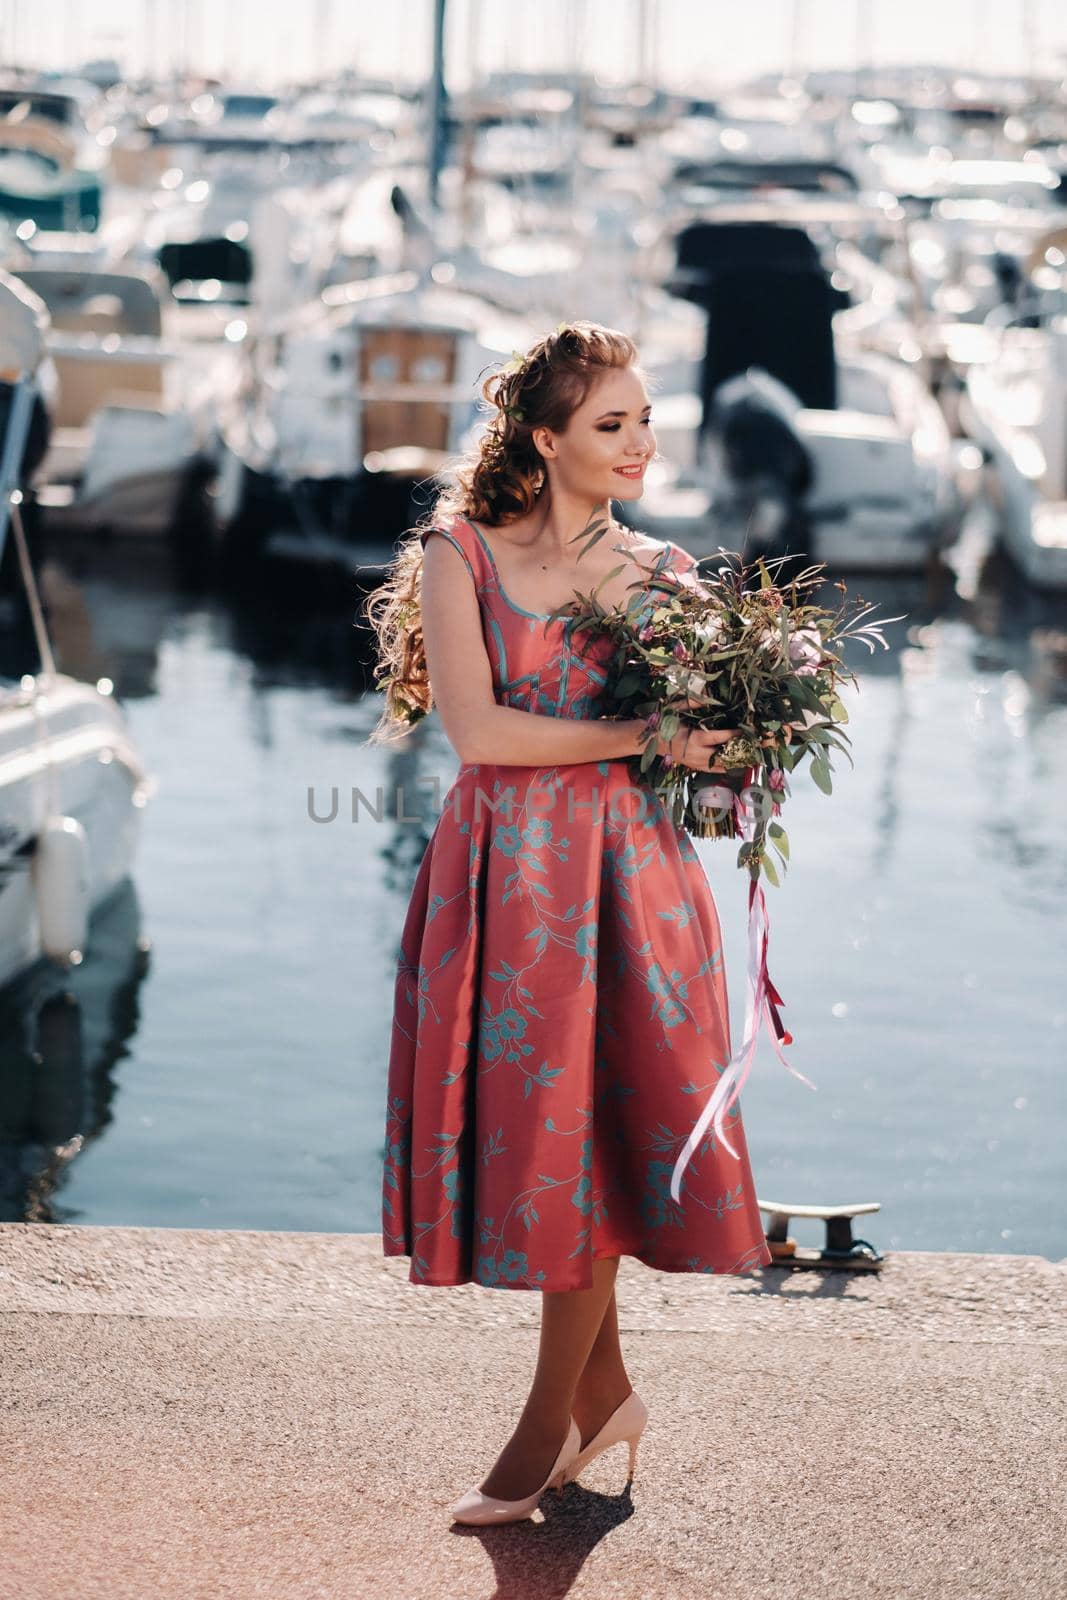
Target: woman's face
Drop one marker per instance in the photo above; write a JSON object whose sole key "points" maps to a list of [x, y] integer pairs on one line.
{"points": [[608, 441]]}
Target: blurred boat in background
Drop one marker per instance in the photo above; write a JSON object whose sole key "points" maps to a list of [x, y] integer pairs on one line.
{"points": [[808, 442], [1015, 408], [268, 335], [50, 166], [351, 400], [132, 413], [72, 792], [72, 786]]}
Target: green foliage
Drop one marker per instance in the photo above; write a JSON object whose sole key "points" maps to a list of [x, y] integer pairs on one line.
{"points": [[768, 656]]}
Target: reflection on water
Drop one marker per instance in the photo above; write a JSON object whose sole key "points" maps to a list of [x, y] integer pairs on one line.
{"points": [[63, 1037], [237, 1079]]}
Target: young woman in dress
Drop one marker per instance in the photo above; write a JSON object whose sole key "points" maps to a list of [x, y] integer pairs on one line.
{"points": [[560, 1004]]}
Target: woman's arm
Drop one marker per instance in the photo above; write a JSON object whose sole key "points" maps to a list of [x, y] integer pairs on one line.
{"points": [[461, 677]]}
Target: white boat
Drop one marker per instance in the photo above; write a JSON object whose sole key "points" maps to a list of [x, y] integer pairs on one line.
{"points": [[748, 129], [72, 786], [134, 409], [1015, 407], [373, 383], [805, 438], [51, 168], [72, 790]]}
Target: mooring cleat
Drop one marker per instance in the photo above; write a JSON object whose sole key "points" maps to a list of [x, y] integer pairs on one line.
{"points": [[841, 1251]]}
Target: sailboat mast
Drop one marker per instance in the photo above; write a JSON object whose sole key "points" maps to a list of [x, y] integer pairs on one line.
{"points": [[437, 103]]}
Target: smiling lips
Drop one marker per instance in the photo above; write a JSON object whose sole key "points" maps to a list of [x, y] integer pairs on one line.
{"points": [[631, 472]]}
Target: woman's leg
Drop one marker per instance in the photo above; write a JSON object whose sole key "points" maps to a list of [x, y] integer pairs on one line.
{"points": [[604, 1383], [570, 1323]]}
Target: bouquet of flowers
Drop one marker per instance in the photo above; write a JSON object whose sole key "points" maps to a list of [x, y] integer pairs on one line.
{"points": [[727, 653], [758, 656]]}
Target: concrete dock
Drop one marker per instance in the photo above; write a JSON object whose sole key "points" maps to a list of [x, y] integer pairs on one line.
{"points": [[221, 1415]]}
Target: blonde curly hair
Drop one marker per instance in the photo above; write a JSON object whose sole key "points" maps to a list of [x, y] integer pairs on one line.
{"points": [[496, 484]]}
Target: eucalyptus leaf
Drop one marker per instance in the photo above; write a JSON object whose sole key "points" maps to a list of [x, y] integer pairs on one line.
{"points": [[780, 837], [820, 773], [801, 690]]}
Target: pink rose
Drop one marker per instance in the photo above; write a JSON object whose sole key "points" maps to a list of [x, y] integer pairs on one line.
{"points": [[805, 651]]}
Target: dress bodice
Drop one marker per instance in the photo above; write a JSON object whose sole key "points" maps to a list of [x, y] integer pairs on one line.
{"points": [[540, 665]]}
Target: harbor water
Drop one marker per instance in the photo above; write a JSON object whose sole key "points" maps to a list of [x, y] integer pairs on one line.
{"points": [[225, 1064]]}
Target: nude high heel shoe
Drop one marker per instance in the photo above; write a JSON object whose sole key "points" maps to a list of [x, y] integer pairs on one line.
{"points": [[627, 1422], [475, 1506]]}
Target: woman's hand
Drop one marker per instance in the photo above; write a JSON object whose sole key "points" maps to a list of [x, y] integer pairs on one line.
{"points": [[695, 747]]}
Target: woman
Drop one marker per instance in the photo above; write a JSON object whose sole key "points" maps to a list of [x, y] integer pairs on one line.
{"points": [[560, 1006]]}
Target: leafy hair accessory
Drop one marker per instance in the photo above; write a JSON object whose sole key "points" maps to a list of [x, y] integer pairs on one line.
{"points": [[515, 367]]}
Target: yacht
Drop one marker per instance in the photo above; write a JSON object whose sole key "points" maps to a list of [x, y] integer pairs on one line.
{"points": [[72, 792], [72, 785], [349, 402], [134, 409], [1015, 407], [804, 438]]}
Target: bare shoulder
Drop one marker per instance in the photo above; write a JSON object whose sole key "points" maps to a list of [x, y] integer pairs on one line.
{"points": [[439, 561]]}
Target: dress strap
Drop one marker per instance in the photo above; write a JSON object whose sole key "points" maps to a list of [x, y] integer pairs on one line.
{"points": [[460, 534], [686, 567], [681, 560]]}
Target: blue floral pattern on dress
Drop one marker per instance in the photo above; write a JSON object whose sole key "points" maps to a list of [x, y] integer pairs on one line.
{"points": [[560, 1010]]}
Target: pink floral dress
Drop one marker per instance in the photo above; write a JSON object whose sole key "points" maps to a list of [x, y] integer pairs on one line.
{"points": [[560, 1009]]}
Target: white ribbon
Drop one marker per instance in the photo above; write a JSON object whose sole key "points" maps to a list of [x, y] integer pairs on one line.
{"points": [[758, 1005]]}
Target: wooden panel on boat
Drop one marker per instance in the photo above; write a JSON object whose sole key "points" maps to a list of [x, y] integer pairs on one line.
{"points": [[402, 373]]}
